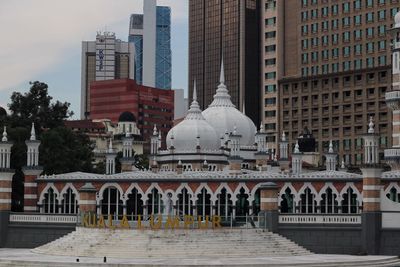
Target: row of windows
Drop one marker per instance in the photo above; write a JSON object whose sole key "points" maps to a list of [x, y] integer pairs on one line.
{"points": [[346, 37], [313, 14], [346, 22], [357, 4], [325, 83], [357, 64]]}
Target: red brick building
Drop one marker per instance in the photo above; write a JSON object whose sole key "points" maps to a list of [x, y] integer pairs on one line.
{"points": [[149, 105]]}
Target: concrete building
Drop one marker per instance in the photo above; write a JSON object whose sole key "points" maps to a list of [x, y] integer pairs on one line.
{"points": [[106, 58], [150, 32], [180, 104], [228, 30], [334, 72]]}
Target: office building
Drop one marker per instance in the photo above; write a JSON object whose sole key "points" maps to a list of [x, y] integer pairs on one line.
{"points": [[150, 106], [106, 58], [229, 31], [150, 32], [333, 73]]}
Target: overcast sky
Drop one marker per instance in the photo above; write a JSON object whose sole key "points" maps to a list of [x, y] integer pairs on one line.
{"points": [[41, 40]]}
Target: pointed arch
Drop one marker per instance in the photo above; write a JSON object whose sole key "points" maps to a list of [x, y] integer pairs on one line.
{"points": [[45, 190]]}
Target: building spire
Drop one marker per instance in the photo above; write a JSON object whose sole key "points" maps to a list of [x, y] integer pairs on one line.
{"points": [[330, 147], [283, 136], [155, 130], [222, 74], [4, 139], [33, 134], [110, 147], [194, 91]]}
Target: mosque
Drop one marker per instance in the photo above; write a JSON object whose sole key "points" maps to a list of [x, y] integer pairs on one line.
{"points": [[217, 163]]}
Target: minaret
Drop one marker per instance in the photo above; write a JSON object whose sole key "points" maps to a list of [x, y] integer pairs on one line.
{"points": [[371, 192], [331, 158], [31, 172], [154, 141], [284, 153], [392, 155], [234, 159], [262, 154], [6, 175], [127, 159], [110, 159], [297, 160]]}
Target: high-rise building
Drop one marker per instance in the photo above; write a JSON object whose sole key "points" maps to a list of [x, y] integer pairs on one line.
{"points": [[230, 31], [107, 58], [150, 32], [334, 70]]}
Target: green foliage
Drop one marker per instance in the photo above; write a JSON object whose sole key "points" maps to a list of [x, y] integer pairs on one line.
{"points": [[64, 151], [141, 162], [61, 150]]}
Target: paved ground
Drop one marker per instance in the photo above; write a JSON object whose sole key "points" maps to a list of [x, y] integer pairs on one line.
{"points": [[24, 257]]}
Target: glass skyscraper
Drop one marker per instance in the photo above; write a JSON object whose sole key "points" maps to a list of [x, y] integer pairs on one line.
{"points": [[151, 34]]}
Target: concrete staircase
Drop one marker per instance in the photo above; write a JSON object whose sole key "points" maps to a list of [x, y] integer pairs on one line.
{"points": [[172, 244]]}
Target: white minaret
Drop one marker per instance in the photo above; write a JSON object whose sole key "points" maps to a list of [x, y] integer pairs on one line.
{"points": [[5, 151], [283, 147], [261, 140], [371, 145], [297, 160], [32, 154], [154, 141], [110, 159], [234, 143], [331, 158]]}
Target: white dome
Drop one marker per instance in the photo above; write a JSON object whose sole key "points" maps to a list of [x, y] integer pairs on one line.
{"points": [[224, 116], [184, 136]]}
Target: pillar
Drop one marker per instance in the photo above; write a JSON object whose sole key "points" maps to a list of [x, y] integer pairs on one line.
{"points": [[269, 214], [30, 188], [371, 214], [87, 200]]}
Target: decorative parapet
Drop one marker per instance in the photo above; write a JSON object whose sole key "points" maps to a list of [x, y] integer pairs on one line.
{"points": [[43, 218], [319, 219]]}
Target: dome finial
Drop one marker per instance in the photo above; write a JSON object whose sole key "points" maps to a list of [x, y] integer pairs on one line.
{"points": [[330, 147], [262, 128], [244, 109], [371, 125], [4, 139], [222, 74], [33, 134], [194, 91]]}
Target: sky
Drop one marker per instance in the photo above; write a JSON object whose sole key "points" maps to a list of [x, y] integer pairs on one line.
{"points": [[41, 41]]}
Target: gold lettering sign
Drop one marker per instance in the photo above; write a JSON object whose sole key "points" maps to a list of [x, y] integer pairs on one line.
{"points": [[90, 220]]}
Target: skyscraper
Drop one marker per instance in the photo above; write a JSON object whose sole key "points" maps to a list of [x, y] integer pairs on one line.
{"points": [[150, 32], [333, 72], [228, 30], [107, 58]]}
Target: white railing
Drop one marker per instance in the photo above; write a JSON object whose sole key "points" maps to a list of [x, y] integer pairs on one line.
{"points": [[43, 218], [393, 152], [319, 219], [393, 95]]}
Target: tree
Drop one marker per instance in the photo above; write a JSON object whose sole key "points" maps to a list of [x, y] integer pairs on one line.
{"points": [[64, 151], [61, 150]]}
